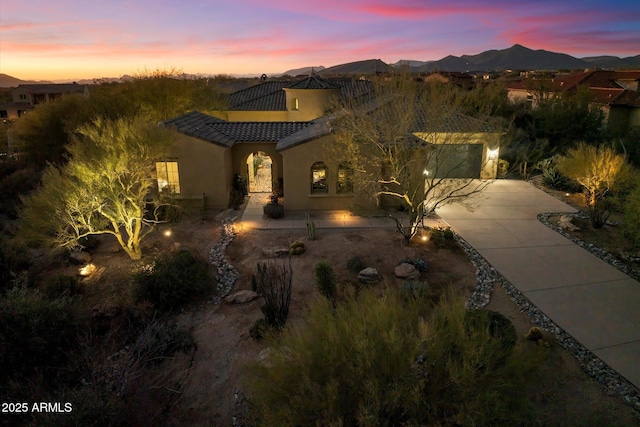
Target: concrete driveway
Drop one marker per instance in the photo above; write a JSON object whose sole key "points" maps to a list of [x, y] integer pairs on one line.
{"points": [[592, 301]]}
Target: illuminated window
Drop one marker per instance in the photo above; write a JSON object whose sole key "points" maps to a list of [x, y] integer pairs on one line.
{"points": [[168, 178], [294, 104], [319, 178], [345, 179]]}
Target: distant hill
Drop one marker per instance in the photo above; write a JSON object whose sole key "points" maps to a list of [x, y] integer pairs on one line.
{"points": [[613, 62], [369, 66], [9, 81], [301, 71]]}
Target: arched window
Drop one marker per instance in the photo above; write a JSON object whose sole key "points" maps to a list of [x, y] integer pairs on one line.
{"points": [[319, 178], [344, 184]]}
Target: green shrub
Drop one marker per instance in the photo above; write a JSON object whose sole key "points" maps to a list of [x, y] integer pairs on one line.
{"points": [[443, 237], [326, 280], [373, 360], [416, 289], [355, 264], [172, 280], [37, 334], [273, 282], [62, 285], [631, 217]]}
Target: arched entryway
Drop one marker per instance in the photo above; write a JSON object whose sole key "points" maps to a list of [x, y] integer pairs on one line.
{"points": [[260, 172]]}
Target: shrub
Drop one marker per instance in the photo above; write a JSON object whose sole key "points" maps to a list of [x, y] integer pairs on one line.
{"points": [[172, 280], [443, 237], [416, 289], [62, 285], [355, 264], [273, 282], [13, 260], [159, 340], [37, 334], [273, 210], [374, 360], [326, 280], [632, 216], [420, 264]]}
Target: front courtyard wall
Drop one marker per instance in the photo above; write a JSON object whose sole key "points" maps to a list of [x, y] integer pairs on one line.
{"points": [[297, 163], [204, 169], [241, 151]]}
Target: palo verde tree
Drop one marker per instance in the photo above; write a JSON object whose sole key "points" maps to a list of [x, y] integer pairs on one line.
{"points": [[104, 188], [596, 169], [401, 151]]}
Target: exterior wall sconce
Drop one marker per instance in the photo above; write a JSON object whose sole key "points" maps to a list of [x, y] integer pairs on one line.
{"points": [[425, 172], [493, 154]]}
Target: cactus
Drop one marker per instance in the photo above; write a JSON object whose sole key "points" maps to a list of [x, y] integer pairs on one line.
{"points": [[311, 227]]}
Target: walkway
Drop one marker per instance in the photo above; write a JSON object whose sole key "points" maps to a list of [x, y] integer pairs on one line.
{"points": [[254, 218], [591, 300]]}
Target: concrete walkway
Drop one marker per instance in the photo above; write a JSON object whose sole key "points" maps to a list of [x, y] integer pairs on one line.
{"points": [[254, 218], [591, 300]]}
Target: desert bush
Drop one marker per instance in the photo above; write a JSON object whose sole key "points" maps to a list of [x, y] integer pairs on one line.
{"points": [[13, 260], [37, 333], [273, 210], [172, 280], [417, 289], [62, 285], [160, 340], [273, 282], [375, 361], [355, 264], [326, 280], [631, 217], [596, 169], [443, 237]]}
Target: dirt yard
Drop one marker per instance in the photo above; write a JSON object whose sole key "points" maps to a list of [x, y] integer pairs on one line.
{"points": [[561, 394]]}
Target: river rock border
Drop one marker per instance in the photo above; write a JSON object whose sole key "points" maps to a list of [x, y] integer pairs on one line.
{"points": [[487, 276], [227, 273]]}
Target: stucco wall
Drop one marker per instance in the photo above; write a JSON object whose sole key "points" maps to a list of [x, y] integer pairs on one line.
{"points": [[312, 103], [297, 163], [240, 152], [257, 116], [203, 168]]}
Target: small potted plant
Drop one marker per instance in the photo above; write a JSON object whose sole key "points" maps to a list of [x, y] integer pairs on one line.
{"points": [[274, 209]]}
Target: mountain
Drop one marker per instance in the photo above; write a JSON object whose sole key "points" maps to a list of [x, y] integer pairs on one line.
{"points": [[613, 62], [369, 66], [303, 70], [517, 57], [10, 81]]}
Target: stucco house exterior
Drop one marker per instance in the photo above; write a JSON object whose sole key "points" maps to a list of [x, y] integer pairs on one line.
{"points": [[289, 122], [25, 97]]}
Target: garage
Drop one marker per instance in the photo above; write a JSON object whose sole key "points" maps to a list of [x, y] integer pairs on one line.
{"points": [[456, 161]]}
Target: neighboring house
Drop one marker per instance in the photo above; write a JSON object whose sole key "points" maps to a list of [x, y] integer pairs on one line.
{"points": [[616, 93], [26, 96], [287, 121]]}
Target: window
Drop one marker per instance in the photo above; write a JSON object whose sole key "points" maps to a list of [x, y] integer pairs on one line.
{"points": [[168, 178], [294, 104], [345, 179], [319, 178]]}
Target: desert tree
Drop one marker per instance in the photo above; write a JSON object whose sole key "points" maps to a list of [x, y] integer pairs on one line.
{"points": [[403, 151], [596, 169], [104, 188]]}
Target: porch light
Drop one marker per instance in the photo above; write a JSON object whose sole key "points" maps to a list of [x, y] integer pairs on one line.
{"points": [[493, 154]]}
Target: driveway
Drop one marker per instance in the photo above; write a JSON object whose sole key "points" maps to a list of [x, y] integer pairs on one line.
{"points": [[592, 301]]}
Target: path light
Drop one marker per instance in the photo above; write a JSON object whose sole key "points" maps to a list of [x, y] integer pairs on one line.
{"points": [[87, 270], [167, 232], [566, 194]]}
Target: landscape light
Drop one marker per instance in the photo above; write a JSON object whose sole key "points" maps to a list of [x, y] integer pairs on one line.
{"points": [[167, 232], [87, 270]]}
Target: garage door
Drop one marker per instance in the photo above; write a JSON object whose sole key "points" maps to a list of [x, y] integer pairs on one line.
{"points": [[457, 161]]}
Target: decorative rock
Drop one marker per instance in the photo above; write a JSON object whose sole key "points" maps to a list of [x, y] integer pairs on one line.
{"points": [[275, 252], [369, 276], [241, 297], [406, 271], [80, 257]]}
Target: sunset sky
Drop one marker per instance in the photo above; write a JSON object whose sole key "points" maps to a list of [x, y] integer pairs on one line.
{"points": [[73, 39]]}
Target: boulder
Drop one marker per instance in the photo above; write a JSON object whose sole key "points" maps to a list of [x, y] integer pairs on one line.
{"points": [[406, 271], [369, 276], [80, 257], [241, 297], [275, 252]]}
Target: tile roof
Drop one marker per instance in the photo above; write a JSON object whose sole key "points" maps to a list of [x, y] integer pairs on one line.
{"points": [[270, 96], [316, 129], [52, 88], [451, 123], [627, 98], [226, 134]]}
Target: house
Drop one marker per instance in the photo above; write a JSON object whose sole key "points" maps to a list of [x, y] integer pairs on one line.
{"points": [[27, 96], [616, 93], [288, 122]]}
